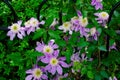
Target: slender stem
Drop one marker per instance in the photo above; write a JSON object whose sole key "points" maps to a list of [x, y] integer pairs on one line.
{"points": [[39, 8], [12, 9], [110, 16]]}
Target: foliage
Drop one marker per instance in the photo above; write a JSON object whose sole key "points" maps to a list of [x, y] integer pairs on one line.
{"points": [[19, 55]]}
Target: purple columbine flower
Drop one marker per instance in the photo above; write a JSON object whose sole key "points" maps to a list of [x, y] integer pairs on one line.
{"points": [[60, 77], [66, 27], [32, 25], [55, 63], [94, 33], [102, 18], [97, 4], [53, 24], [36, 73], [79, 24], [113, 47], [16, 29], [113, 78], [85, 58], [46, 49], [75, 57]]}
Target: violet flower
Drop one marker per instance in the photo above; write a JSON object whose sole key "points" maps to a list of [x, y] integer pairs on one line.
{"points": [[32, 25], [16, 29], [75, 57], [36, 74], [55, 22], [113, 78], [79, 24], [85, 58], [60, 77], [55, 63], [97, 4], [94, 33], [46, 49], [113, 47], [66, 27], [102, 18]]}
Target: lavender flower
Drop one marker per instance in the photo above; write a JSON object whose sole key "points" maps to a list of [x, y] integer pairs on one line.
{"points": [[75, 57], [55, 22], [113, 47], [54, 63], [85, 58], [46, 49], [97, 4], [113, 78], [16, 29], [102, 18], [94, 33], [32, 25], [66, 27], [36, 74], [60, 77]]}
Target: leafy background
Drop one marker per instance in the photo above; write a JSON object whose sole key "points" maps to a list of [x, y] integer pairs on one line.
{"points": [[19, 55]]}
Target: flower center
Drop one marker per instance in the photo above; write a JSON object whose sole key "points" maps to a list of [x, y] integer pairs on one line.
{"points": [[27, 24], [54, 61], [34, 22], [15, 27], [66, 25], [104, 15], [93, 31], [48, 49], [37, 73], [83, 22]]}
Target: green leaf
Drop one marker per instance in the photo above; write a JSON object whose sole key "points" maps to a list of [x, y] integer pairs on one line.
{"points": [[99, 30], [104, 74], [60, 42], [38, 34], [90, 74], [83, 70], [98, 77], [102, 48], [82, 43], [54, 34]]}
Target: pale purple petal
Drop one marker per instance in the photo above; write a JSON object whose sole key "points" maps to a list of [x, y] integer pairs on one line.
{"points": [[42, 22], [53, 70], [56, 53], [63, 64], [62, 58], [29, 71], [59, 69], [9, 33], [19, 22], [55, 46], [19, 36], [12, 36], [44, 76], [45, 60], [48, 67], [29, 77]]}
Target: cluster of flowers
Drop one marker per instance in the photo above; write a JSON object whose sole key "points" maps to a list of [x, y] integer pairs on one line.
{"points": [[78, 23], [54, 63], [17, 30]]}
